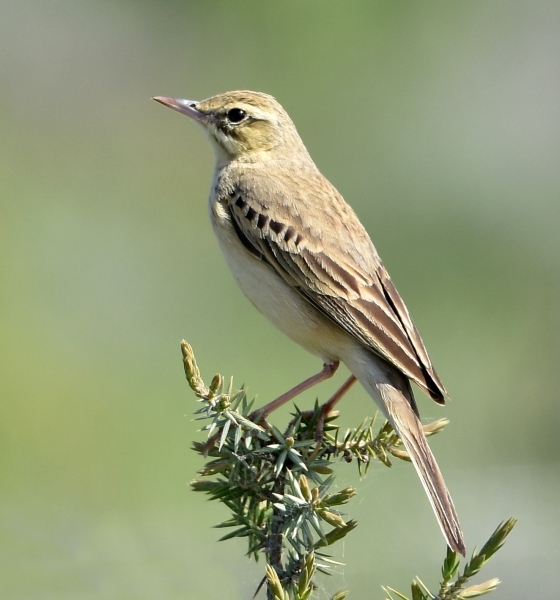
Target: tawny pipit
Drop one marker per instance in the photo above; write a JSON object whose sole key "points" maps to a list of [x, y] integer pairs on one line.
{"points": [[300, 255]]}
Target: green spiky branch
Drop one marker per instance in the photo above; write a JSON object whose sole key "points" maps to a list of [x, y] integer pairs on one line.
{"points": [[277, 487], [452, 585]]}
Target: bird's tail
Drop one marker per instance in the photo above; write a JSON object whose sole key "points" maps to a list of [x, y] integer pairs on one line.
{"points": [[409, 429], [397, 407]]}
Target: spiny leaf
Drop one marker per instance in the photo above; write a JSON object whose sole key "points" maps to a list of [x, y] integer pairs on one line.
{"points": [[390, 591]]}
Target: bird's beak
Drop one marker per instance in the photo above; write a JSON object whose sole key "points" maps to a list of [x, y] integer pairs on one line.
{"points": [[185, 107]]}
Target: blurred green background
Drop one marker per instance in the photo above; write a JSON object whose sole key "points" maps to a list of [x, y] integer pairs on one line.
{"points": [[439, 122]]}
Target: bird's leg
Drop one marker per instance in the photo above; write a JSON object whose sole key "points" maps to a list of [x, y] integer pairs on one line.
{"points": [[328, 406], [259, 415], [328, 371]]}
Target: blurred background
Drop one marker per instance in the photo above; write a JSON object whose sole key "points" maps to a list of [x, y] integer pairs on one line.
{"points": [[439, 122]]}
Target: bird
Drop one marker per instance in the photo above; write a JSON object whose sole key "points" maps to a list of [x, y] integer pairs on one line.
{"points": [[300, 254]]}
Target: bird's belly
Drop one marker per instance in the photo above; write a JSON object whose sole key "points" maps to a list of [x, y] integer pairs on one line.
{"points": [[279, 302]]}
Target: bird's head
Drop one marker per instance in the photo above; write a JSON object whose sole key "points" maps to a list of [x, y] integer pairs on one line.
{"points": [[242, 125]]}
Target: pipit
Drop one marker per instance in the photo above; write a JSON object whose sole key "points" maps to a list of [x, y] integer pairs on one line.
{"points": [[302, 257]]}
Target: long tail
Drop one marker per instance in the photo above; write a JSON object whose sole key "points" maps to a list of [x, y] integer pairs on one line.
{"points": [[409, 428], [397, 407]]}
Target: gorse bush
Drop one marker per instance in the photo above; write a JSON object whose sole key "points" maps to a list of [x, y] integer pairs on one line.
{"points": [[278, 488]]}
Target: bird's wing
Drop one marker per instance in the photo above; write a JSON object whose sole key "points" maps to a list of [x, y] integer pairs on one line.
{"points": [[316, 243]]}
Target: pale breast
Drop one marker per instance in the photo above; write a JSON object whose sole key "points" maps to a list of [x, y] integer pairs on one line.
{"points": [[274, 298]]}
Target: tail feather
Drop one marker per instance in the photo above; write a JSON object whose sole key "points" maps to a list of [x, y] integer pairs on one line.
{"points": [[409, 429], [391, 391]]}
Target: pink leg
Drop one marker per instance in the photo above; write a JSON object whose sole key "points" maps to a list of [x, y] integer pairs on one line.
{"points": [[261, 413], [327, 371], [326, 409], [330, 403]]}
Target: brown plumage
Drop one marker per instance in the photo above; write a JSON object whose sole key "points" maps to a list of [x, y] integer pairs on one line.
{"points": [[302, 257]]}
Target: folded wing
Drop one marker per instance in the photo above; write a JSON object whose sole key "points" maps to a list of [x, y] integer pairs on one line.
{"points": [[350, 286]]}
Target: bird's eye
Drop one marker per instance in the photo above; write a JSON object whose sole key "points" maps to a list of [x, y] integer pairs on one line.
{"points": [[236, 115]]}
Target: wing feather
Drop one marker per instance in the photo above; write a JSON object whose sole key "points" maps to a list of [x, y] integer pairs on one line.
{"points": [[354, 290]]}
